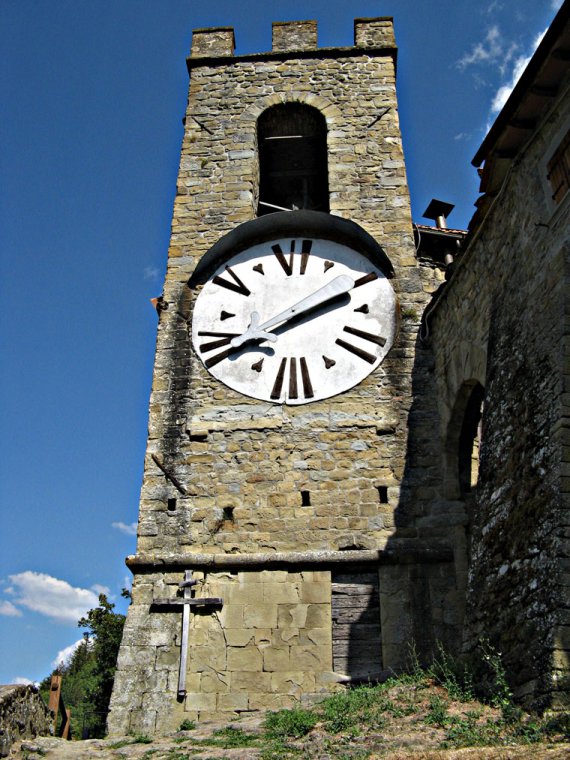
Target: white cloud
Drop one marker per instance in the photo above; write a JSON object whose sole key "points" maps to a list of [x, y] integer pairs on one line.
{"points": [[488, 51], [25, 681], [64, 655], [495, 5], [503, 93], [556, 4], [151, 273], [9, 610], [99, 589], [52, 597], [130, 529]]}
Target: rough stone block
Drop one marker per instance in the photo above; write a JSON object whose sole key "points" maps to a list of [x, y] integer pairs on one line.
{"points": [[260, 615], [213, 42], [311, 658], [250, 682], [233, 701], [268, 701], [316, 592], [292, 615], [240, 637], [200, 701], [244, 658], [294, 35], [276, 658]]}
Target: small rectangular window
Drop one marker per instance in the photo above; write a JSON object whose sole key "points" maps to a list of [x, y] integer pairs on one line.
{"points": [[559, 170]]}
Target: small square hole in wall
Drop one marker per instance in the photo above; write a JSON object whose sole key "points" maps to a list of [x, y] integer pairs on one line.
{"points": [[229, 514], [383, 494], [199, 437], [305, 498], [171, 504]]}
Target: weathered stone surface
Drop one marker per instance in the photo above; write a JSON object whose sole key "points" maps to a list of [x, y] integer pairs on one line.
{"points": [[23, 715], [237, 478], [501, 323]]}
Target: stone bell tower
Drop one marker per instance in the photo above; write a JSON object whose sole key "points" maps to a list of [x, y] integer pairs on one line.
{"points": [[278, 554]]}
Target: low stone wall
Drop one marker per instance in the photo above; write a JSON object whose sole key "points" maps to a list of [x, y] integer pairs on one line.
{"points": [[23, 714]]}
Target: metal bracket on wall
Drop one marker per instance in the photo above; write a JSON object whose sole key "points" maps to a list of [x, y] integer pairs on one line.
{"points": [[168, 475], [382, 113], [202, 125]]}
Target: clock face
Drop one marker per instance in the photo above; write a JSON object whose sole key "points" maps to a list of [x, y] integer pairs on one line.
{"points": [[294, 320]]}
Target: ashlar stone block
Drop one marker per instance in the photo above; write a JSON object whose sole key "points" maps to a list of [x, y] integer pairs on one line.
{"points": [[250, 681], [260, 615], [276, 658], [244, 658]]}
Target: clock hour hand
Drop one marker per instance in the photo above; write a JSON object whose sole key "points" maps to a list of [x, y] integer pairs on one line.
{"points": [[341, 284], [254, 331]]}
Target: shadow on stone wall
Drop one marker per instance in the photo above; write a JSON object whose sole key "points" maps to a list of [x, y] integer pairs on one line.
{"points": [[421, 600]]}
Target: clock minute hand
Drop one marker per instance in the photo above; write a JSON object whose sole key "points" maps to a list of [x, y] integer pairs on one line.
{"points": [[341, 284]]}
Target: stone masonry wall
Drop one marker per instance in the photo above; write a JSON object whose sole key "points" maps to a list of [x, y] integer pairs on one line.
{"points": [[231, 451], [211, 450], [501, 322], [23, 714]]}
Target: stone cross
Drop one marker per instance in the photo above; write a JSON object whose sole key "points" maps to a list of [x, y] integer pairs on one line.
{"points": [[187, 602]]}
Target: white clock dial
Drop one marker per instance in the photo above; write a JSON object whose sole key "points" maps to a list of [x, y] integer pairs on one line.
{"points": [[294, 320]]}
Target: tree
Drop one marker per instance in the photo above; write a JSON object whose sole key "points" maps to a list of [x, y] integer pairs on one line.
{"points": [[87, 678], [106, 628]]}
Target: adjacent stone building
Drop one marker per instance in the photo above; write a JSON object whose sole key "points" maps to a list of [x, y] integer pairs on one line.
{"points": [[310, 508], [499, 337]]}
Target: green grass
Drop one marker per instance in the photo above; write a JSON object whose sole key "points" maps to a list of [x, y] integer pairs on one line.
{"points": [[289, 723], [437, 714], [187, 725], [455, 676], [354, 723], [231, 737]]}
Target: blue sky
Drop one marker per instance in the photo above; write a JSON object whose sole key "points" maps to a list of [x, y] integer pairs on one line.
{"points": [[94, 93]]}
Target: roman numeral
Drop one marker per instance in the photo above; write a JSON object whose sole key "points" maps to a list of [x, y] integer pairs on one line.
{"points": [[305, 252], [293, 378], [370, 358], [307, 386], [217, 358], [287, 265], [365, 278], [360, 352], [378, 339], [293, 390], [237, 286], [278, 384], [224, 340]]}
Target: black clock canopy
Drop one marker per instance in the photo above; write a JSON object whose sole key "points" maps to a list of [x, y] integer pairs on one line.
{"points": [[293, 224]]}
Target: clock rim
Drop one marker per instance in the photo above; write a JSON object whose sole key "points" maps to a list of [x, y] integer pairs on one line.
{"points": [[293, 224]]}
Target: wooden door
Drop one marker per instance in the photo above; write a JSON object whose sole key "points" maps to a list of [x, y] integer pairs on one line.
{"points": [[356, 636]]}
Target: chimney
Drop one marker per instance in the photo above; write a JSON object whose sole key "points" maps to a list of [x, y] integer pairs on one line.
{"points": [[438, 211]]}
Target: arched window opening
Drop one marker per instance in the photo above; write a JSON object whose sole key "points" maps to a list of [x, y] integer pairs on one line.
{"points": [[463, 445], [293, 174], [470, 442]]}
